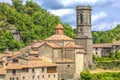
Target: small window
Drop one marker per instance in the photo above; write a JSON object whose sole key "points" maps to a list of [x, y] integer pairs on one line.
{"points": [[33, 70], [23, 77], [42, 69], [43, 76], [33, 77], [38, 76], [17, 78], [11, 78], [81, 18], [80, 29], [48, 76], [14, 72], [68, 65], [54, 75], [15, 60]]}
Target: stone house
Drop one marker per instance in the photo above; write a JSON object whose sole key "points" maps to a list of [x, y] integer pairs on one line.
{"points": [[103, 50], [22, 67], [62, 50], [59, 56]]}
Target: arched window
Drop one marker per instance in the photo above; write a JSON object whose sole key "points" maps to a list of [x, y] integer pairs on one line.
{"points": [[81, 18]]}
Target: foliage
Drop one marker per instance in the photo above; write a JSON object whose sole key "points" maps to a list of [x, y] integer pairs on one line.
{"points": [[111, 54], [30, 20], [118, 55], [106, 36], [100, 59], [85, 75], [108, 64], [102, 76]]}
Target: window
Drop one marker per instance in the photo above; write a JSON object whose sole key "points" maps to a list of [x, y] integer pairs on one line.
{"points": [[17, 78], [81, 18], [25, 70], [15, 60], [48, 76], [33, 70], [23, 77], [54, 75], [33, 77], [80, 29], [42, 69], [43, 76], [51, 70], [68, 65], [38, 76], [14, 72], [11, 78]]}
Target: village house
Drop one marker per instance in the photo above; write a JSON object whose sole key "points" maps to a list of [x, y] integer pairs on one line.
{"points": [[103, 50], [58, 57]]}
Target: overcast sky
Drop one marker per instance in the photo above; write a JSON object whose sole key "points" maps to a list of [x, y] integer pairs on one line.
{"points": [[105, 13]]}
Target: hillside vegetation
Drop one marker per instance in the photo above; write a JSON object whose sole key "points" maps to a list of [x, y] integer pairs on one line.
{"points": [[34, 23], [30, 21], [107, 36]]}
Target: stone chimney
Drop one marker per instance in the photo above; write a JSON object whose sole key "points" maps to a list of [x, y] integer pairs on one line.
{"points": [[59, 29]]}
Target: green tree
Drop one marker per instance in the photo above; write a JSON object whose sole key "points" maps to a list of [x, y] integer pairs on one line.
{"points": [[111, 54], [118, 55], [86, 75]]}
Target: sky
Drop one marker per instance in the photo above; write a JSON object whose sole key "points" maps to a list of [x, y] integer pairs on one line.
{"points": [[105, 13]]}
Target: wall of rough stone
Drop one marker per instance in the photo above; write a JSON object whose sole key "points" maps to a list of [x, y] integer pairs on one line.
{"points": [[66, 71]]}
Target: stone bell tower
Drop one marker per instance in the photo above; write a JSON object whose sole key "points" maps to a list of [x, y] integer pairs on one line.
{"points": [[84, 36]]}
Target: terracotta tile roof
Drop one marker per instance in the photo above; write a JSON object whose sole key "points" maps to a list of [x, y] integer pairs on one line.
{"points": [[2, 71], [53, 45], [102, 45], [31, 64], [38, 63], [13, 66], [72, 45], [34, 52], [1, 59], [116, 43], [65, 61], [81, 51], [38, 44], [33, 58], [59, 26], [57, 37]]}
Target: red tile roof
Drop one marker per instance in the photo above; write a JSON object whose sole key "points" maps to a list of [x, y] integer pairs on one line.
{"points": [[102, 45], [59, 37], [2, 71], [116, 43], [59, 26], [72, 45]]}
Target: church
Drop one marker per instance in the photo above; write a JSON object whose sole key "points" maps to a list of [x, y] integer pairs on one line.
{"points": [[58, 54]]}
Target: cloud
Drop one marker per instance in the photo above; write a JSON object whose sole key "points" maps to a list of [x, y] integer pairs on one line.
{"points": [[70, 2], [7, 1], [98, 16], [62, 12], [105, 26]]}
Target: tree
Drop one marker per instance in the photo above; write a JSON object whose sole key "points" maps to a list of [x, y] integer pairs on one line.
{"points": [[118, 55], [111, 54], [86, 75], [17, 4]]}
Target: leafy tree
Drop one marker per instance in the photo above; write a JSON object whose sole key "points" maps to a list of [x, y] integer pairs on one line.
{"points": [[111, 54], [118, 55], [86, 75]]}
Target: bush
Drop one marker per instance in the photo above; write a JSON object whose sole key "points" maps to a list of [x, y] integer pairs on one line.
{"points": [[100, 76], [86, 75]]}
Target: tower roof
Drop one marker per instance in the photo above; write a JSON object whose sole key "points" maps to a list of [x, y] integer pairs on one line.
{"points": [[59, 26], [59, 34]]}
